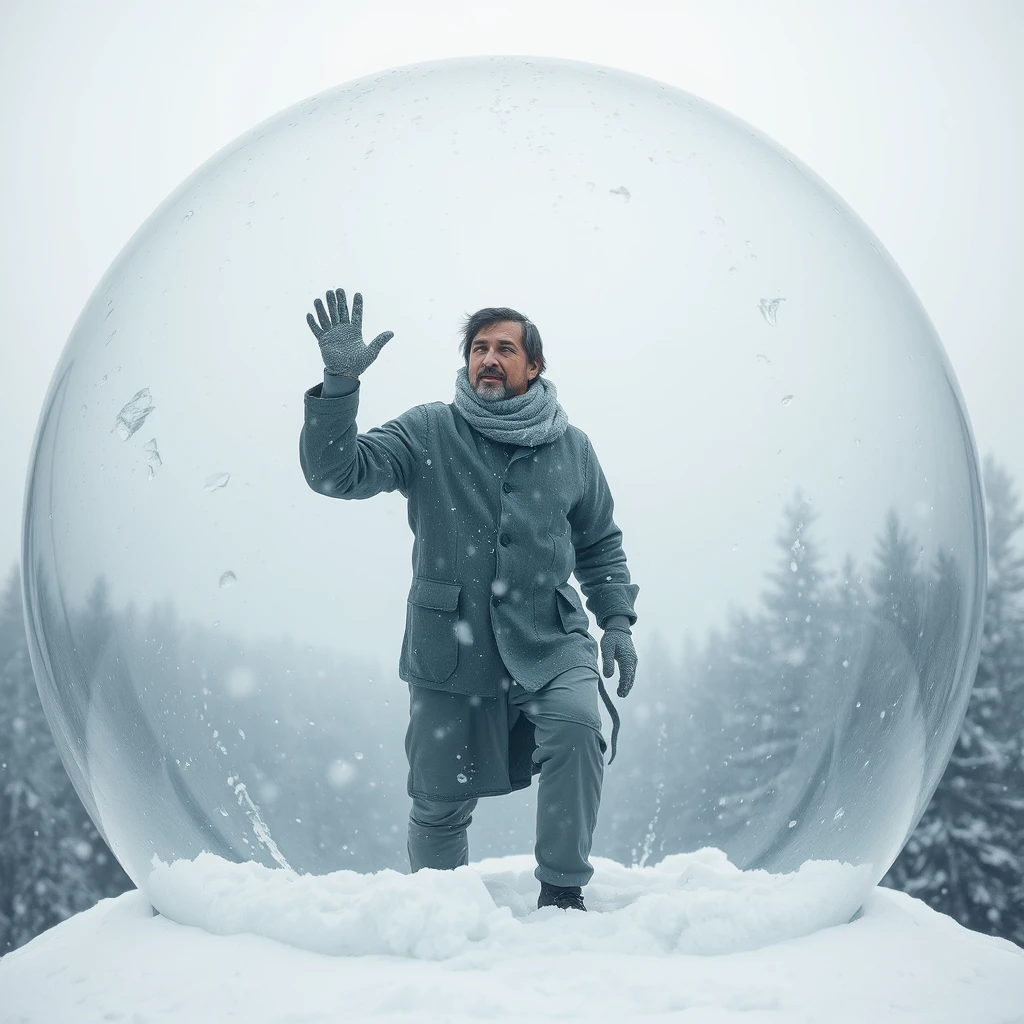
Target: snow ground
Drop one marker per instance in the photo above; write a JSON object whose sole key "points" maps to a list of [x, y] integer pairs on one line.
{"points": [[690, 940]]}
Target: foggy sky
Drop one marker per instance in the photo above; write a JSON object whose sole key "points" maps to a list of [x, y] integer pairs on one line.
{"points": [[913, 113]]}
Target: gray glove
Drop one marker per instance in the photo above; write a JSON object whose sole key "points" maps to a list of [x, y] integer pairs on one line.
{"points": [[617, 645], [341, 339]]}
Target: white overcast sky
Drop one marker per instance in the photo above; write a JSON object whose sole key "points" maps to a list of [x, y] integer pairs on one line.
{"points": [[911, 110]]}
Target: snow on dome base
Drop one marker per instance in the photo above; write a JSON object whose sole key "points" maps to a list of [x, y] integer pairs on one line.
{"points": [[792, 468], [689, 903], [898, 961]]}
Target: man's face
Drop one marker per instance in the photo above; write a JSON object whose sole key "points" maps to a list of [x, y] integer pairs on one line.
{"points": [[497, 361]]}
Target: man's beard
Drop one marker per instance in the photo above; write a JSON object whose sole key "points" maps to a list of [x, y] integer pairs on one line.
{"points": [[491, 393]]}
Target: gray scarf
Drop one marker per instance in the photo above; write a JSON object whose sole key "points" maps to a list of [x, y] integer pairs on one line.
{"points": [[529, 419]]}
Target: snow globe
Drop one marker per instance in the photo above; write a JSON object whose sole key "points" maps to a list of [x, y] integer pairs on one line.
{"points": [[793, 471]]}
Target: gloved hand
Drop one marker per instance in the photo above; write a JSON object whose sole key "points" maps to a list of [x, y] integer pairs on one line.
{"points": [[617, 645], [341, 340]]}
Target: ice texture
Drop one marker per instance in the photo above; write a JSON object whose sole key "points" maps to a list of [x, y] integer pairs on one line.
{"points": [[133, 414]]}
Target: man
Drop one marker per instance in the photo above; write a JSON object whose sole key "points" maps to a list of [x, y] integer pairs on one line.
{"points": [[506, 500]]}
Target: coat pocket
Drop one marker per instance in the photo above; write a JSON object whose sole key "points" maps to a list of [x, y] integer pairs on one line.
{"points": [[431, 646], [570, 609]]}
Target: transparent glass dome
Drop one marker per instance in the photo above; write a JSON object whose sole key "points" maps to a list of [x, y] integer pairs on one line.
{"points": [[792, 466]]}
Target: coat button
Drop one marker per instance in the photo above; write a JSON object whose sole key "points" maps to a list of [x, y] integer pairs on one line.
{"points": [[504, 540], [506, 488]]}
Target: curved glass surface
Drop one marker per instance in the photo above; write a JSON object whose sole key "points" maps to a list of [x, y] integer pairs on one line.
{"points": [[792, 467]]}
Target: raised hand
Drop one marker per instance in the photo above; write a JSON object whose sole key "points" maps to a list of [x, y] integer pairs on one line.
{"points": [[341, 338]]}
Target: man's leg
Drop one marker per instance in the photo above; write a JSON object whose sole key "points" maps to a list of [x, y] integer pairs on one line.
{"points": [[438, 833], [570, 751]]}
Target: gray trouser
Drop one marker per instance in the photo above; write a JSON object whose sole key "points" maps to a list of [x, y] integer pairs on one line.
{"points": [[567, 730]]}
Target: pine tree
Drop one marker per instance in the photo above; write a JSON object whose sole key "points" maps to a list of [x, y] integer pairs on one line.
{"points": [[964, 857], [798, 627], [852, 606], [897, 584], [52, 861], [93, 630], [751, 739], [942, 641], [1003, 651], [12, 627], [767, 668]]}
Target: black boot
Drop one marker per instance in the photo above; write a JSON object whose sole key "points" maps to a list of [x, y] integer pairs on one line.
{"points": [[565, 897]]}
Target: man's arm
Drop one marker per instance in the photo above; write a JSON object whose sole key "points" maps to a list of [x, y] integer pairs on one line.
{"points": [[600, 561], [336, 459], [340, 462]]}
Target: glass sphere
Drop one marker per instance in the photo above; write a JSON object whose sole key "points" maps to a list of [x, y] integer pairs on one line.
{"points": [[792, 467]]}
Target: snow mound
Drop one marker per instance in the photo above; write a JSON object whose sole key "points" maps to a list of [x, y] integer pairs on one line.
{"points": [[689, 903], [898, 962]]}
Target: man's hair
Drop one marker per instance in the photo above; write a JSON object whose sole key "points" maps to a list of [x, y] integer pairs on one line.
{"points": [[494, 315]]}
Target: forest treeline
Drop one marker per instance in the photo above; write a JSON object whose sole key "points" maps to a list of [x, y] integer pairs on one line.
{"points": [[780, 715]]}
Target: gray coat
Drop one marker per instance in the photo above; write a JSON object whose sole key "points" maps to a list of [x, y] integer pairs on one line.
{"points": [[497, 531]]}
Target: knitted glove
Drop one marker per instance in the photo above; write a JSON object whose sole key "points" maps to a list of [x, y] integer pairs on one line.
{"points": [[617, 645], [341, 340]]}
